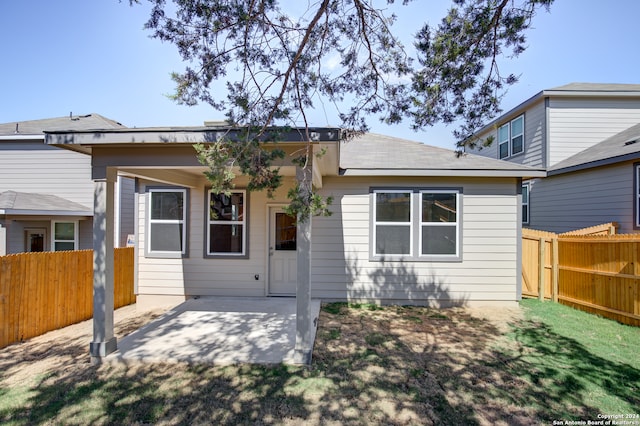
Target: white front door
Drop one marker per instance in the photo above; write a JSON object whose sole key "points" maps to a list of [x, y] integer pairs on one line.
{"points": [[283, 267]]}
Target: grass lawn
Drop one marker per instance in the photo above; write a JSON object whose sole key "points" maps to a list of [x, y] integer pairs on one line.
{"points": [[371, 365]]}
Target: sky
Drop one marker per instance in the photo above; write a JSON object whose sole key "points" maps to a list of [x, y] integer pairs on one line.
{"points": [[93, 56]]}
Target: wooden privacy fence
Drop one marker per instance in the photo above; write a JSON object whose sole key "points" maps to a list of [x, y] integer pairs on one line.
{"points": [[40, 292], [595, 273]]}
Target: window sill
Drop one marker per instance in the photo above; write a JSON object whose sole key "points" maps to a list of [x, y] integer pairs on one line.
{"points": [[429, 259]]}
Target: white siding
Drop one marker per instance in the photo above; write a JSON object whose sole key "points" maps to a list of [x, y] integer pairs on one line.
{"points": [[582, 199], [38, 168], [341, 268], [200, 276], [534, 133], [577, 124]]}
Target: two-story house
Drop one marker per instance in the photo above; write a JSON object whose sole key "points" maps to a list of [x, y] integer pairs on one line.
{"points": [[46, 193], [587, 137]]}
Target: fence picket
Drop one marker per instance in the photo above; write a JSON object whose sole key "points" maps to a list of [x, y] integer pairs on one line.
{"points": [[596, 273], [40, 292]]}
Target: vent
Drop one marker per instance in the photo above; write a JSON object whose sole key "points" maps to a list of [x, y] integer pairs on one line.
{"points": [[631, 142]]}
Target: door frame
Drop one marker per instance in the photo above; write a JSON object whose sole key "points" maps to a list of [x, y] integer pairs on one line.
{"points": [[267, 281], [35, 230]]}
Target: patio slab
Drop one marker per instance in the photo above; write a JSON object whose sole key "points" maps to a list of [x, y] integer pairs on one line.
{"points": [[219, 330]]}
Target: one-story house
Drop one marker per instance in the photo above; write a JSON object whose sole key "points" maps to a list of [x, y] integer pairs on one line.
{"points": [[410, 223]]}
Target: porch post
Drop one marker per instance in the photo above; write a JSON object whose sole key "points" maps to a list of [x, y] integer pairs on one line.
{"points": [[303, 289], [104, 342]]}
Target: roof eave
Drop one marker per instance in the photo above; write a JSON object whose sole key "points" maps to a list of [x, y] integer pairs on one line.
{"points": [[445, 173], [24, 212], [593, 164]]}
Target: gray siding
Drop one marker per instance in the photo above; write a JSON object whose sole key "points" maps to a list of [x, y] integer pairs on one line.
{"points": [[341, 269], [534, 154], [577, 124], [577, 200], [125, 208], [37, 168]]}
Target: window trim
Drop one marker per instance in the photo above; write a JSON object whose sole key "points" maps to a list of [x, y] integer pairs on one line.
{"points": [[75, 234], [185, 224], [455, 224], [376, 223], [416, 225], [526, 185], [244, 222], [511, 137]]}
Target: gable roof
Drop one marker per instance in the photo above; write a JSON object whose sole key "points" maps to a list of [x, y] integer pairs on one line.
{"points": [[378, 155], [568, 90], [25, 203], [623, 146], [38, 127]]}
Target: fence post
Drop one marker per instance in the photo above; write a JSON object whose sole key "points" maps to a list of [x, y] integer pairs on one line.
{"points": [[541, 274], [554, 269]]}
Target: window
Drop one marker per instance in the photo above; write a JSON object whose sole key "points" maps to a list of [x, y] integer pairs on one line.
{"points": [[393, 222], [167, 231], [511, 138], [65, 236], [439, 223], [226, 224], [416, 224], [525, 203]]}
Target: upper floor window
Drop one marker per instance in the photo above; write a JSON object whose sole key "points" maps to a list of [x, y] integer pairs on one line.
{"points": [[511, 138], [227, 224], [415, 224], [167, 230]]}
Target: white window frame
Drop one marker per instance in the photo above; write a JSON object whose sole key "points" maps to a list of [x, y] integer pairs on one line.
{"points": [[377, 223], [415, 225], [149, 252], [509, 141], [526, 187], [455, 224], [242, 222], [53, 234]]}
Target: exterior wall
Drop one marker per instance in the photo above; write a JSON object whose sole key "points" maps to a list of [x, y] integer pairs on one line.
{"points": [[195, 275], [577, 124], [534, 154], [37, 168], [17, 225], [125, 210], [581, 199], [3, 238], [341, 269], [488, 272]]}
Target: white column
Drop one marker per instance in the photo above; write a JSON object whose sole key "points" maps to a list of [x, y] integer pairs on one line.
{"points": [[104, 341], [304, 344]]}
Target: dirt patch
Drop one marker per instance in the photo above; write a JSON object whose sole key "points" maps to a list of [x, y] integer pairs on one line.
{"points": [[393, 366], [63, 348]]}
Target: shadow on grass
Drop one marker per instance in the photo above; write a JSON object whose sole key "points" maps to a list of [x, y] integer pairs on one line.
{"points": [[372, 365]]}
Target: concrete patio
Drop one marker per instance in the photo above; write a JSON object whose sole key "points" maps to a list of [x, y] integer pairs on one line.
{"points": [[219, 330]]}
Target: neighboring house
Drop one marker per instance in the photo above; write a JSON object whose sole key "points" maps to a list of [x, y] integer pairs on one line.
{"points": [[584, 135], [46, 193]]}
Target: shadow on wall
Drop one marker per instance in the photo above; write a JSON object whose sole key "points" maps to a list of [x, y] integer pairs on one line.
{"points": [[397, 282]]}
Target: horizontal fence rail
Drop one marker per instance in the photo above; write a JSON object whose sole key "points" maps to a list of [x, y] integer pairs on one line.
{"points": [[41, 292], [597, 273]]}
